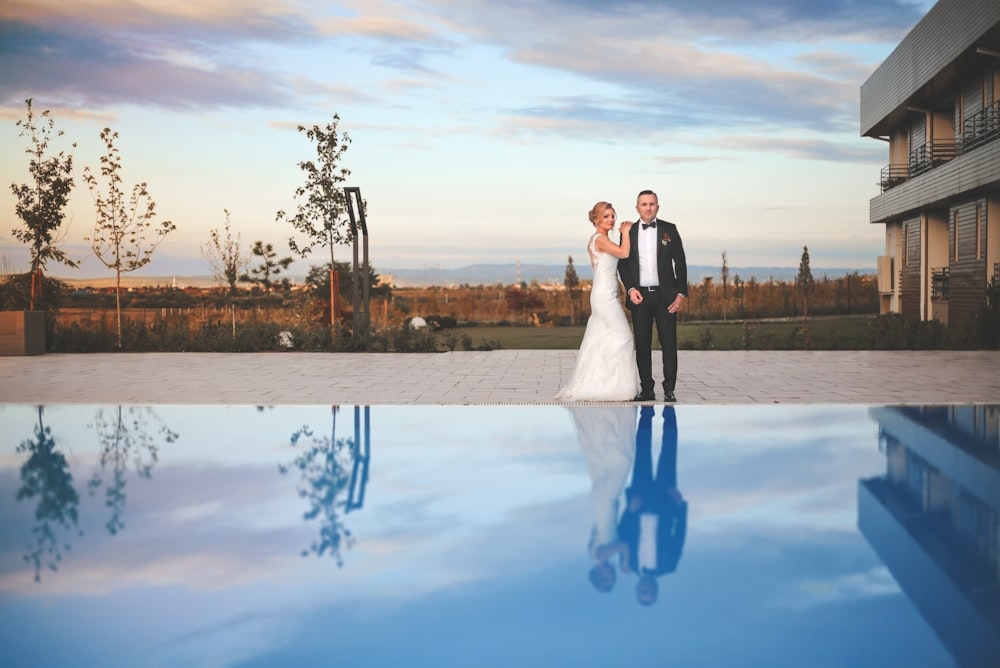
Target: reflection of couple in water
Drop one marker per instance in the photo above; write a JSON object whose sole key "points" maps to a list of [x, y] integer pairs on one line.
{"points": [[647, 533]]}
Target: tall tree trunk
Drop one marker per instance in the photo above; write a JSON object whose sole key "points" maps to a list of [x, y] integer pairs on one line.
{"points": [[36, 286]]}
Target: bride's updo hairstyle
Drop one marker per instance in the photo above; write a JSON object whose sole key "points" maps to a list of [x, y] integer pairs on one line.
{"points": [[598, 210]]}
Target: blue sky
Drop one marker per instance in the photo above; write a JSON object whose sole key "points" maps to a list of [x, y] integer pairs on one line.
{"points": [[481, 132]]}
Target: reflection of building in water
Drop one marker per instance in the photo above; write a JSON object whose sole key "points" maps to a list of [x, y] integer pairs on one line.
{"points": [[934, 520]]}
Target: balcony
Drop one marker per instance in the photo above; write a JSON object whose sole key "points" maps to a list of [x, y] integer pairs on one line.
{"points": [[930, 155], [982, 128], [978, 130]]}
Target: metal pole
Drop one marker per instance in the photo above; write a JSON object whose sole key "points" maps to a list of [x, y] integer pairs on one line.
{"points": [[362, 302]]}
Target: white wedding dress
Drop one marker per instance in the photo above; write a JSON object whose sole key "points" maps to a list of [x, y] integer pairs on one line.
{"points": [[607, 438], [605, 365]]}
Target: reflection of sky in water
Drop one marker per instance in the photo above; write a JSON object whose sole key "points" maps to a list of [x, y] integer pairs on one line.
{"points": [[470, 548]]}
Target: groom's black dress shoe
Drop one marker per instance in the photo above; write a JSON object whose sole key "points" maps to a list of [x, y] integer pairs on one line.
{"points": [[645, 395], [669, 396]]}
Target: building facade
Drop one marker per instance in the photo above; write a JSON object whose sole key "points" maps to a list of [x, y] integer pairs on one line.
{"points": [[935, 101]]}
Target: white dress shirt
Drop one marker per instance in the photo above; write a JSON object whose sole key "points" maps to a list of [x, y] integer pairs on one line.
{"points": [[649, 275]]}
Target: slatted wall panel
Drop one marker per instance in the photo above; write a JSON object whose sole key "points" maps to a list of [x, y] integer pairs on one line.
{"points": [[940, 37], [918, 133], [967, 283], [972, 98], [976, 169], [909, 303]]}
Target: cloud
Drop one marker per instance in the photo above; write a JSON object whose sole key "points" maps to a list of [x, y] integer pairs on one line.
{"points": [[689, 63], [683, 85], [686, 65], [267, 20], [806, 148], [81, 70], [763, 19]]}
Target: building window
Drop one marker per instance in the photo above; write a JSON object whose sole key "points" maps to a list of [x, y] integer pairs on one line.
{"points": [[979, 231], [954, 235], [939, 284], [906, 245]]}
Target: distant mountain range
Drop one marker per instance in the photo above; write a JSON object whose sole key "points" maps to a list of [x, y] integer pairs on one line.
{"points": [[490, 274], [484, 274]]}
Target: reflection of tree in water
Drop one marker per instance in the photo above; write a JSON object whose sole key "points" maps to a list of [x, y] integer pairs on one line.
{"points": [[329, 467], [45, 474], [126, 433]]}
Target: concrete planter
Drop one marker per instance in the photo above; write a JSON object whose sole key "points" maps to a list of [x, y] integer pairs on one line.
{"points": [[22, 333]]}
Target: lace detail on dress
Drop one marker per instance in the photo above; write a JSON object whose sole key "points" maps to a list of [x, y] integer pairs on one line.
{"points": [[592, 251]]}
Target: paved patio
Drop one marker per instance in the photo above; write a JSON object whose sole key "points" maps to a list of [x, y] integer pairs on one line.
{"points": [[493, 377]]}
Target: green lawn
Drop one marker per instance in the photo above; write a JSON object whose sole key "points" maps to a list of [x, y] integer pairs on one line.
{"points": [[833, 333]]}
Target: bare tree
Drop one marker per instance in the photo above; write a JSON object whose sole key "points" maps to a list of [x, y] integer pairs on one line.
{"points": [[322, 204], [125, 234], [227, 261], [40, 203]]}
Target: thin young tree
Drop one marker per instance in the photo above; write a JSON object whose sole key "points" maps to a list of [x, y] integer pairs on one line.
{"points": [[267, 271], [804, 282], [41, 203], [227, 260], [321, 210], [725, 283], [572, 283], [125, 233]]}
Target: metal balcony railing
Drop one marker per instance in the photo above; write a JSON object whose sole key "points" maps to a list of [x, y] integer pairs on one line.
{"points": [[930, 155], [982, 128], [977, 130], [893, 175]]}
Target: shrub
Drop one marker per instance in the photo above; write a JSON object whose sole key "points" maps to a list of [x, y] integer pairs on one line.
{"points": [[802, 339], [986, 323], [706, 339], [747, 330], [440, 322], [892, 332]]}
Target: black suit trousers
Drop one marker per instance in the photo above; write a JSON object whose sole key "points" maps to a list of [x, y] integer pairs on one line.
{"points": [[653, 310]]}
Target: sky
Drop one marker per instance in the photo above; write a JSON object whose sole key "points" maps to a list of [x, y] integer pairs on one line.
{"points": [[480, 132]]}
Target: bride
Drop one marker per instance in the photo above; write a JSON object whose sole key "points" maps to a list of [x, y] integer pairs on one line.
{"points": [[605, 365]]}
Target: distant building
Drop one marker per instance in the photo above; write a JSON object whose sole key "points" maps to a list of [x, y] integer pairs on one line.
{"points": [[936, 102]]}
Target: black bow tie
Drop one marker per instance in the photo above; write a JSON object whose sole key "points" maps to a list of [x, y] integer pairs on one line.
{"points": [[647, 225]]}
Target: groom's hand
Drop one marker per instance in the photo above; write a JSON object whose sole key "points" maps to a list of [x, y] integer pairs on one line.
{"points": [[675, 305], [635, 296]]}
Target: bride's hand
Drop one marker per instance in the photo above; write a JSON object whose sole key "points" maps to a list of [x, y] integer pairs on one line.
{"points": [[626, 226]]}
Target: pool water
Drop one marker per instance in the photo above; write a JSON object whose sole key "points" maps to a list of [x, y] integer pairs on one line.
{"points": [[817, 535]]}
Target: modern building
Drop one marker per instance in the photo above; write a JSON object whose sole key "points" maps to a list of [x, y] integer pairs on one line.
{"points": [[935, 101]]}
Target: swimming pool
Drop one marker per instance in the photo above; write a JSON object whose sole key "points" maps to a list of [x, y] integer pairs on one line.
{"points": [[466, 535]]}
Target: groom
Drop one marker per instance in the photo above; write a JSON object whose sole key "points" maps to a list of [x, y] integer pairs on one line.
{"points": [[655, 279]]}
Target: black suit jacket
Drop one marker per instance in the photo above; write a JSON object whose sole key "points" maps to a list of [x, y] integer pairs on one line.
{"points": [[670, 261], [671, 530]]}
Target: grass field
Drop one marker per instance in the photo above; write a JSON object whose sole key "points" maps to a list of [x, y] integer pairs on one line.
{"points": [[835, 333]]}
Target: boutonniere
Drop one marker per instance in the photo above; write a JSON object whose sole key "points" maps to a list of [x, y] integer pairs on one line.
{"points": [[666, 239]]}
